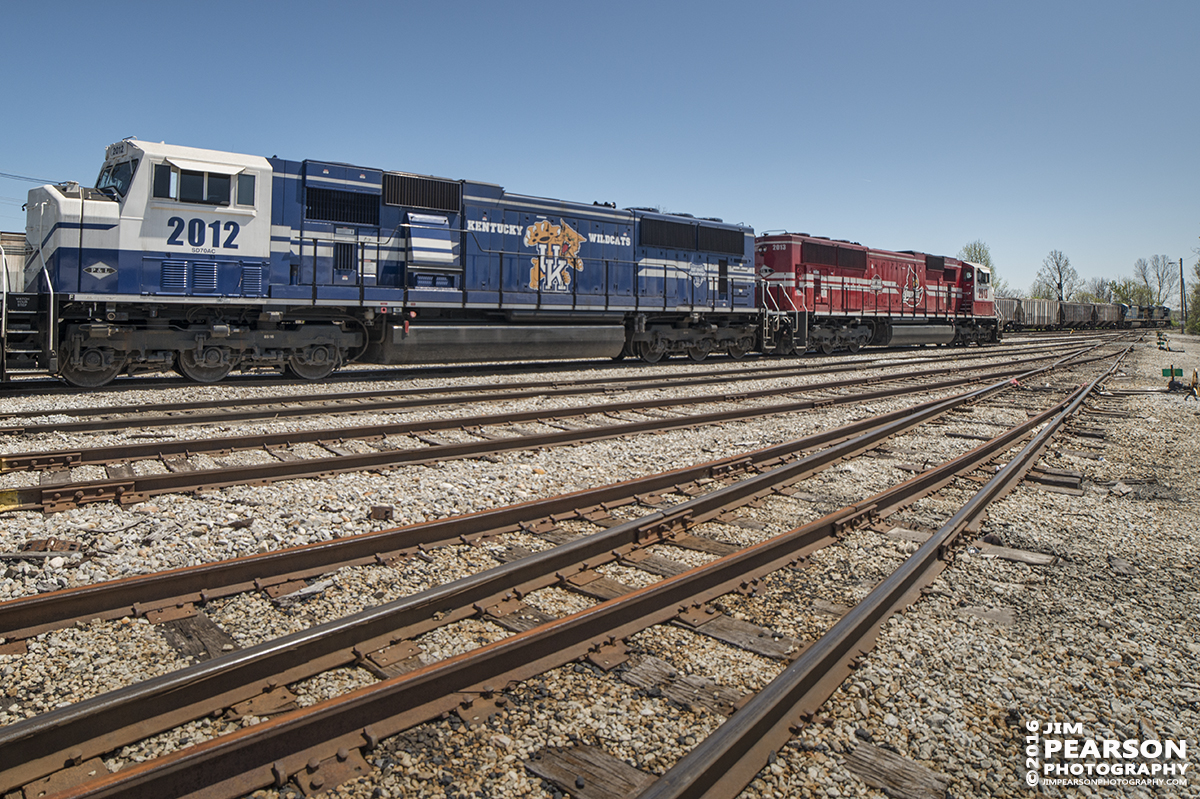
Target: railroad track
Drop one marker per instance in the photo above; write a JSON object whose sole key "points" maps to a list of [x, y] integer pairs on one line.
{"points": [[42, 387], [308, 745], [124, 484], [121, 418]]}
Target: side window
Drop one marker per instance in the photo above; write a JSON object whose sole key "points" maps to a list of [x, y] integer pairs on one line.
{"points": [[218, 189], [166, 182], [191, 186], [245, 189], [205, 188]]}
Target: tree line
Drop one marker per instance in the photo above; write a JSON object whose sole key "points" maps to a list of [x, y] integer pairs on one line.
{"points": [[1155, 281]]}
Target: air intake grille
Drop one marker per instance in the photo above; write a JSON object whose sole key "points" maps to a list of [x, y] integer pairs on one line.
{"points": [[660, 233], [252, 280], [716, 239], [411, 191], [204, 277], [174, 277], [331, 205]]}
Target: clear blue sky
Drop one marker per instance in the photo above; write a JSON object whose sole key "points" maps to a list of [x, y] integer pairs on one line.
{"points": [[904, 125]]}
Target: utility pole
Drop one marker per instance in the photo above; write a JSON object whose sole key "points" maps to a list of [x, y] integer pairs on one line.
{"points": [[1182, 299]]}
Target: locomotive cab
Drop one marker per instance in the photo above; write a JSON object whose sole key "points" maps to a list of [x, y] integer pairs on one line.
{"points": [[162, 220], [977, 289], [165, 264]]}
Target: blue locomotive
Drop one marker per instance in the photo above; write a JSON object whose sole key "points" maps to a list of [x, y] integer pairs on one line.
{"points": [[205, 262]]}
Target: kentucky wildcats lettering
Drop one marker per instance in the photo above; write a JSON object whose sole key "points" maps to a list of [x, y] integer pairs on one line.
{"points": [[604, 238], [494, 227]]}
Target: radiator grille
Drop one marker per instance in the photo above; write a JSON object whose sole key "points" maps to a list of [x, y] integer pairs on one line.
{"points": [[660, 233], [823, 254], [331, 205], [715, 239], [852, 259], [411, 191]]}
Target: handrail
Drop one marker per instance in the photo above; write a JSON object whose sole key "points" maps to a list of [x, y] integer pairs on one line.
{"points": [[3, 313], [51, 312]]}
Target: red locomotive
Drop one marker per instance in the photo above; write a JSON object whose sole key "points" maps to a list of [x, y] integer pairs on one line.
{"points": [[822, 294]]}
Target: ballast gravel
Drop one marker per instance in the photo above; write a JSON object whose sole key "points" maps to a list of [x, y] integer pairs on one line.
{"points": [[1104, 638]]}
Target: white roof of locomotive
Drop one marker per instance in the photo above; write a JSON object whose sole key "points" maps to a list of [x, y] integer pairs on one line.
{"points": [[192, 158]]}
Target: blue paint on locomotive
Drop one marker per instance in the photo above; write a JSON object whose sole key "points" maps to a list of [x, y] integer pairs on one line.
{"points": [[504, 251]]}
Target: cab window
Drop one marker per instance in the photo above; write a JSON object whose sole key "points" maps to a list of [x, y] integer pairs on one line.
{"points": [[189, 186], [117, 177], [245, 189]]}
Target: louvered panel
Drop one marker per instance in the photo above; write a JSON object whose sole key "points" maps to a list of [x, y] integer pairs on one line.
{"points": [[174, 277], [204, 277]]}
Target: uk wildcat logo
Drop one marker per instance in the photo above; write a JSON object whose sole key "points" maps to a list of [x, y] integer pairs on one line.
{"points": [[558, 250]]}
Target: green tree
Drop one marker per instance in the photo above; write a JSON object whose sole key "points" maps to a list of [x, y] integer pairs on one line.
{"points": [[978, 252], [1130, 291], [1056, 279]]}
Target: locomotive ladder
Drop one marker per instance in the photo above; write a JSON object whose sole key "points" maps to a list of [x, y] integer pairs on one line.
{"points": [[19, 336]]}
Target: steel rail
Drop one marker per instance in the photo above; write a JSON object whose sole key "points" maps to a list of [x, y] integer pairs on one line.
{"points": [[341, 405], [308, 739], [25, 461], [28, 616], [53, 386], [726, 761], [560, 387], [567, 386], [139, 488], [132, 713]]}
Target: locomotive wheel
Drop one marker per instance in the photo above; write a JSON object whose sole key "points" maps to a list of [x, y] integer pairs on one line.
{"points": [[853, 345], [700, 351], [95, 368], [647, 352], [211, 366], [314, 363], [736, 352], [827, 346]]}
